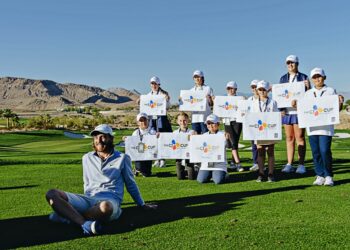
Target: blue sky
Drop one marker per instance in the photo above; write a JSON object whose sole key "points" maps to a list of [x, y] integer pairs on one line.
{"points": [[111, 43]]}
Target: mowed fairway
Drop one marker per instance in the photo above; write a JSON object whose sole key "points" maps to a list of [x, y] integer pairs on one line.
{"points": [[288, 214]]}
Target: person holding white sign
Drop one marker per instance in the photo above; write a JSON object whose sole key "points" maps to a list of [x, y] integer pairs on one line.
{"points": [[290, 119], [183, 165], [320, 138], [265, 104], [255, 96], [159, 123], [198, 117], [234, 130], [215, 170], [142, 167]]}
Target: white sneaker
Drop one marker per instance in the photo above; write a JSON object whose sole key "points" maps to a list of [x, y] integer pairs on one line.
{"points": [[255, 167], [156, 163], [329, 181], [288, 169], [162, 164], [319, 181], [301, 169], [240, 168]]}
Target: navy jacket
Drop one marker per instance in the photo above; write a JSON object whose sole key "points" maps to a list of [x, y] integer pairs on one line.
{"points": [[300, 77]]}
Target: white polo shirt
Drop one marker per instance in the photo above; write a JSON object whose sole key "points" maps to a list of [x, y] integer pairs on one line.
{"points": [[201, 116], [319, 93]]}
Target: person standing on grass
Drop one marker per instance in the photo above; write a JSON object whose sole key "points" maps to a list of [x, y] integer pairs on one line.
{"points": [[105, 172], [265, 104], [290, 119], [255, 96], [199, 117], [233, 129], [159, 123], [213, 170], [184, 166], [320, 138]]}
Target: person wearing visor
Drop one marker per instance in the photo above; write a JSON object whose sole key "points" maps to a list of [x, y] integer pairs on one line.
{"points": [[320, 137], [105, 173], [199, 117], [213, 170], [255, 96], [265, 104], [294, 134], [159, 123]]}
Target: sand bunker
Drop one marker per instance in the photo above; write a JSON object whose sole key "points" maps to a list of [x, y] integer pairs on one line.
{"points": [[342, 135]]}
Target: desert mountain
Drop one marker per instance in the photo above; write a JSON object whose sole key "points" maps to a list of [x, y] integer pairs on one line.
{"points": [[31, 95]]}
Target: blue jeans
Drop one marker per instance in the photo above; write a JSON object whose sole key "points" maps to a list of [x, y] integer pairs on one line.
{"points": [[322, 154], [254, 153], [199, 127], [217, 175]]}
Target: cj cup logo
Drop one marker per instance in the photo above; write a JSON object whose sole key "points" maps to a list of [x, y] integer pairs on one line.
{"points": [[193, 100], [143, 147], [175, 145], [316, 111], [207, 148], [261, 126], [228, 106], [152, 104], [288, 94]]}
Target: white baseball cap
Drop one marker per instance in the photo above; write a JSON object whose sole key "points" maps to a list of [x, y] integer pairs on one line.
{"points": [[140, 115], [317, 71], [254, 82], [231, 84], [155, 79], [292, 58], [212, 118], [263, 84], [198, 73], [102, 129]]}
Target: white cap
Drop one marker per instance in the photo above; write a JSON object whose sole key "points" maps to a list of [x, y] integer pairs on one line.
{"points": [[103, 129], [155, 79], [140, 115], [212, 118], [254, 82], [198, 73], [231, 84], [263, 84], [317, 71], [292, 58]]}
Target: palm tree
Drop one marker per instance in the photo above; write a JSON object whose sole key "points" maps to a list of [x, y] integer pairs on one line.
{"points": [[8, 114]]}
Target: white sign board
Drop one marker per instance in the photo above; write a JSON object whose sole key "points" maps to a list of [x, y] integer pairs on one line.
{"points": [[207, 148], [262, 126], [192, 100], [227, 106], [153, 104], [173, 146], [285, 93], [142, 150], [313, 112]]}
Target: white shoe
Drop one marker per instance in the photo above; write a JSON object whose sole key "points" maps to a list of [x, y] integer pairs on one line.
{"points": [[162, 164], [319, 181], [156, 163], [255, 167], [328, 181], [301, 169], [288, 169], [240, 168]]}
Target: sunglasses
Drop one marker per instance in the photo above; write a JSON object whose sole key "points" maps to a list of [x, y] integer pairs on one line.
{"points": [[262, 90], [253, 87], [290, 62], [316, 76], [211, 123]]}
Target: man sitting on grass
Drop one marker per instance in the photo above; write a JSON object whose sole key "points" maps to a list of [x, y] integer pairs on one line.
{"points": [[104, 172]]}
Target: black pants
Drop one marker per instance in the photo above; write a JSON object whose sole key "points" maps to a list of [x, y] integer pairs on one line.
{"points": [[189, 168], [145, 167]]}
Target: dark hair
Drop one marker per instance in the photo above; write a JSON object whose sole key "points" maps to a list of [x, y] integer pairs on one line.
{"points": [[182, 114]]}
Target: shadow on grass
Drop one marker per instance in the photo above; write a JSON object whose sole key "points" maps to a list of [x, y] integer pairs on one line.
{"points": [[38, 230], [18, 187]]}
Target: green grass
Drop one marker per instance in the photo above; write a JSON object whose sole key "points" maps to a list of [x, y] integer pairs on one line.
{"points": [[241, 214]]}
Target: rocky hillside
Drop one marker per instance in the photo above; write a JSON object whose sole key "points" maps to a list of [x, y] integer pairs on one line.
{"points": [[31, 95]]}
